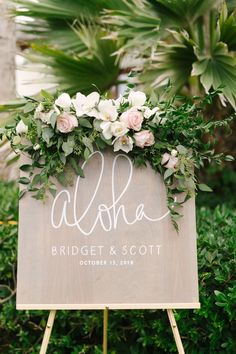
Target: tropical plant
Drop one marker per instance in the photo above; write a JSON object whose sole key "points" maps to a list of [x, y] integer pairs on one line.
{"points": [[191, 43], [194, 47]]}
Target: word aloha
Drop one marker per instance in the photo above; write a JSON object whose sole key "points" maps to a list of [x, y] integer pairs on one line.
{"points": [[107, 216]]}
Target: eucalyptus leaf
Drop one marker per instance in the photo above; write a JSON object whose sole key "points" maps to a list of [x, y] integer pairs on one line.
{"points": [[53, 119], [169, 172], [203, 187], [29, 107], [68, 147], [36, 180], [181, 149], [88, 143], [53, 190], [47, 134], [26, 167], [86, 154], [23, 180], [84, 122], [76, 167]]}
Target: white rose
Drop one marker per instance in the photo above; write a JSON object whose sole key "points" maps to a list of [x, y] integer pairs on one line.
{"points": [[137, 98], [119, 128], [21, 128], [85, 105], [63, 101], [107, 110], [124, 143]]}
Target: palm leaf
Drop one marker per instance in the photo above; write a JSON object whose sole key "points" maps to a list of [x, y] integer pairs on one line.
{"points": [[227, 26], [75, 73], [53, 20], [177, 13], [216, 71], [66, 10], [136, 25], [171, 63]]}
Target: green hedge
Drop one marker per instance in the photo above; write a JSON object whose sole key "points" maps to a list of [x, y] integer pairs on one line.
{"points": [[208, 330]]}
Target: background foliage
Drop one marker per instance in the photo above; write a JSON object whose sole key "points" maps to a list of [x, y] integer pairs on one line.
{"points": [[191, 43], [208, 330]]}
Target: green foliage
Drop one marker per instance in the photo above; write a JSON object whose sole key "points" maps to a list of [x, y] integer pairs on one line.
{"points": [[176, 149], [95, 68], [222, 179], [208, 330], [191, 43]]}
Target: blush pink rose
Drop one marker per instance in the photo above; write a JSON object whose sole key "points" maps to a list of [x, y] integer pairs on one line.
{"points": [[133, 118], [169, 161], [144, 138], [66, 123]]}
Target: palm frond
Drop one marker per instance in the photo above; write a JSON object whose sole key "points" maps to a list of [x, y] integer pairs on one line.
{"points": [[136, 25], [75, 73], [218, 70], [172, 62], [227, 24], [52, 20], [66, 10], [179, 13]]}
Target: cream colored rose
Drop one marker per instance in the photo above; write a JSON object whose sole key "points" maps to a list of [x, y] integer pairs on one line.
{"points": [[144, 138], [137, 98], [124, 143], [107, 111], [63, 101], [133, 118], [119, 128], [66, 123]]}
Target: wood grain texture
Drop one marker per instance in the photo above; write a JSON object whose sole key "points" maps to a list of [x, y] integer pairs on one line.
{"points": [[143, 265]]}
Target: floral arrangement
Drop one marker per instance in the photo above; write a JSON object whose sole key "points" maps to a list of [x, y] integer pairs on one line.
{"points": [[57, 132]]}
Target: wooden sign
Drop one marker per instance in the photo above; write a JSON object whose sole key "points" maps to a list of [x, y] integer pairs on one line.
{"points": [[107, 241]]}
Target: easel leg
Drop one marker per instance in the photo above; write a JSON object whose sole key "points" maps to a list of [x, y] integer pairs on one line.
{"points": [[175, 332], [105, 326], [47, 332]]}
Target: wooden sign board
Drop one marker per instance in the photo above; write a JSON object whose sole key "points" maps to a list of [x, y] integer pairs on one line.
{"points": [[107, 241]]}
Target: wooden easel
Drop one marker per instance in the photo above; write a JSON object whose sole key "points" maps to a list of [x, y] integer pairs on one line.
{"points": [[51, 318]]}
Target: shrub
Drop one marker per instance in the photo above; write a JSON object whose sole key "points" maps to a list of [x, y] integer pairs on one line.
{"points": [[208, 330]]}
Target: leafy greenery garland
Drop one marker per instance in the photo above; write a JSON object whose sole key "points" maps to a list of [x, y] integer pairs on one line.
{"points": [[176, 148]]}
